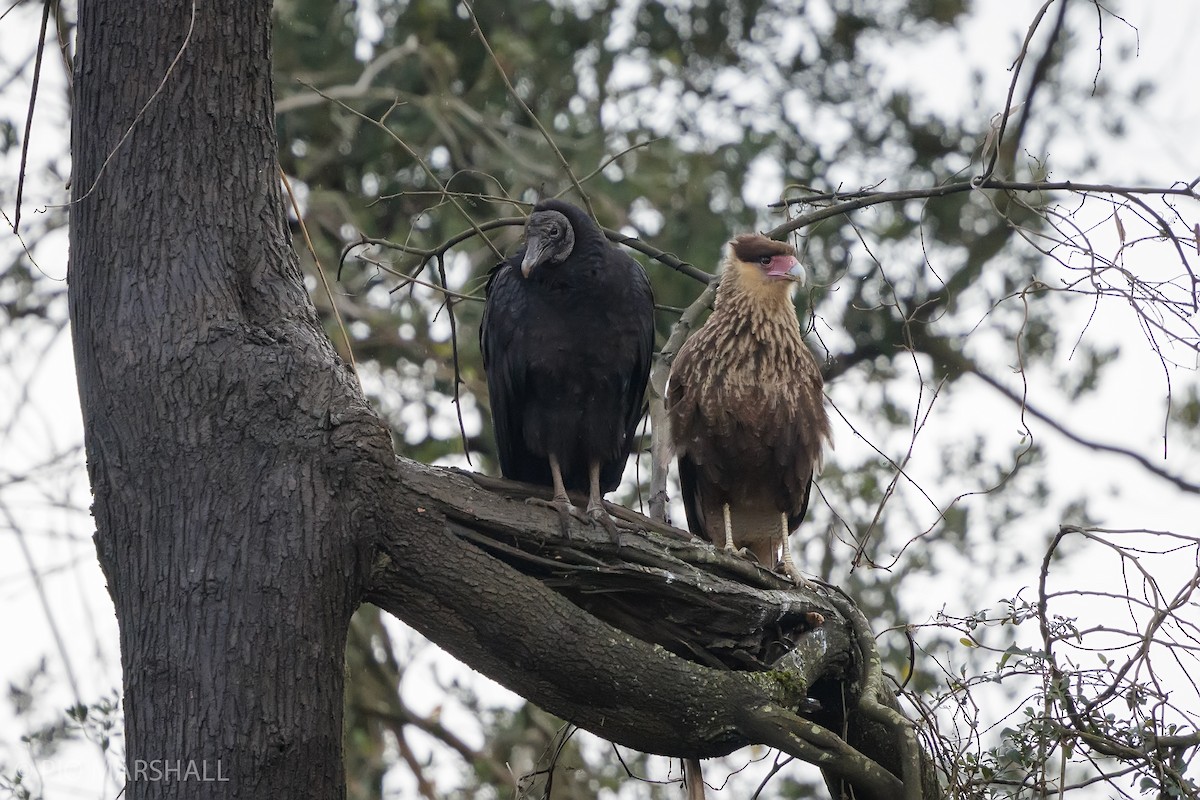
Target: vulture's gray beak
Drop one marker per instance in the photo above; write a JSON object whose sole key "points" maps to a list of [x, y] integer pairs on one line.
{"points": [[535, 253]]}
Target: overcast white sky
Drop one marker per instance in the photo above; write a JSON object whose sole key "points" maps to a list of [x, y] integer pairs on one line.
{"points": [[53, 543]]}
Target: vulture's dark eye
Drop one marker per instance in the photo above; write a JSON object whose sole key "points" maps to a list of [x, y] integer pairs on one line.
{"points": [[765, 261]]}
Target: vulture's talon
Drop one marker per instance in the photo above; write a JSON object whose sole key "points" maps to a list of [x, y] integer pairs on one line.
{"points": [[565, 511], [598, 514]]}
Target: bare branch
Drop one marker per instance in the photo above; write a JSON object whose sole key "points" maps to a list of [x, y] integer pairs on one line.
{"points": [[1040, 72], [528, 111], [660, 447], [37, 75]]}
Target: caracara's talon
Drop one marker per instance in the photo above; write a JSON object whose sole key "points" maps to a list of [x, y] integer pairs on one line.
{"points": [[740, 552], [798, 580]]}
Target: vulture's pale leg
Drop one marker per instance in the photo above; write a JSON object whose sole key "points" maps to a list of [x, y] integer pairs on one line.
{"points": [[560, 503], [560, 491], [789, 566], [595, 507], [728, 528]]}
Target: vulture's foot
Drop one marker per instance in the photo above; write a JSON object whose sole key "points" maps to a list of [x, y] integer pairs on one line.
{"points": [[565, 511], [597, 514]]}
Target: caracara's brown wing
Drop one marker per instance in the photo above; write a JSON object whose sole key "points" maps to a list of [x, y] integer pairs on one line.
{"points": [[693, 503], [692, 437], [794, 519], [751, 440], [810, 423]]}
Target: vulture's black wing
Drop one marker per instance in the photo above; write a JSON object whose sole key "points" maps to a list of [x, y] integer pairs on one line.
{"points": [[638, 336], [504, 344]]}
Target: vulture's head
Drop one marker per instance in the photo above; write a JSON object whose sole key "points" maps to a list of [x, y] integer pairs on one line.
{"points": [[762, 263], [549, 239]]}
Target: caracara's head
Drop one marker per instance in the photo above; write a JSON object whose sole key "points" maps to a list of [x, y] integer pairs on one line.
{"points": [[760, 262], [549, 239]]}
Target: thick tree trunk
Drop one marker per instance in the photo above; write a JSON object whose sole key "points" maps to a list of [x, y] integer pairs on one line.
{"points": [[247, 498], [205, 381]]}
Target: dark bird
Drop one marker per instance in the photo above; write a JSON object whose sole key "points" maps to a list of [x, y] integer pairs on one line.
{"points": [[567, 335], [747, 410]]}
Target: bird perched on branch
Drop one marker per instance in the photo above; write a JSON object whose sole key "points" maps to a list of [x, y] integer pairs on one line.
{"points": [[747, 410], [567, 335]]}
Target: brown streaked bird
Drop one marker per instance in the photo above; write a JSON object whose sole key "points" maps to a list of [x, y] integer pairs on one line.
{"points": [[747, 410]]}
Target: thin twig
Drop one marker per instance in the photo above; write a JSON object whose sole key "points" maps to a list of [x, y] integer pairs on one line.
{"points": [[1012, 89], [660, 445], [613, 158], [426, 254], [520, 101], [37, 74], [1040, 72], [379, 123], [287, 185]]}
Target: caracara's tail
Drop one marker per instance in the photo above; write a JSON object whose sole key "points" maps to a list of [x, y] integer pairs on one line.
{"points": [[693, 779]]}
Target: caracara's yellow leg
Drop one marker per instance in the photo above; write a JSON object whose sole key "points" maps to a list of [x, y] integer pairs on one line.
{"points": [[728, 528], [789, 566]]}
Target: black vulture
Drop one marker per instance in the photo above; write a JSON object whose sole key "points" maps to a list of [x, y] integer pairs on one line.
{"points": [[567, 335], [746, 408]]}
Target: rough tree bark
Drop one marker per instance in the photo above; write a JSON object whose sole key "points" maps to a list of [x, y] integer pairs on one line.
{"points": [[208, 390], [247, 499]]}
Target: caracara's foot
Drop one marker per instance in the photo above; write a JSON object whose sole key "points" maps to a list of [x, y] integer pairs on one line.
{"points": [[596, 512], [741, 552], [565, 511], [793, 574]]}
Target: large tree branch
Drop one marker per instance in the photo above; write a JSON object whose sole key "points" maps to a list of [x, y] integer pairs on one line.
{"points": [[659, 642]]}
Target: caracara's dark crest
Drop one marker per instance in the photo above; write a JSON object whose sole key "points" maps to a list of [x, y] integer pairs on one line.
{"points": [[750, 247], [567, 337], [746, 406]]}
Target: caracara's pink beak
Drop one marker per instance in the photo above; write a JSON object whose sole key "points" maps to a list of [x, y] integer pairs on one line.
{"points": [[787, 268]]}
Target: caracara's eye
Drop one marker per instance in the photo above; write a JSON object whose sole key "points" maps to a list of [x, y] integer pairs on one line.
{"points": [[765, 261]]}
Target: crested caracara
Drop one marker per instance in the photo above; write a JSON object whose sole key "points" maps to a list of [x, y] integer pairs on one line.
{"points": [[746, 408]]}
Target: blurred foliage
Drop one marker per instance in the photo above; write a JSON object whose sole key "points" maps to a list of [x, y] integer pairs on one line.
{"points": [[716, 100], [47, 732], [683, 119]]}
